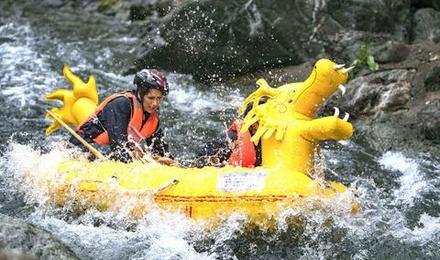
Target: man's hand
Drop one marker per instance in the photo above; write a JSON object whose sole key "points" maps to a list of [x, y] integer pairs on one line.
{"points": [[166, 161], [203, 161], [137, 154]]}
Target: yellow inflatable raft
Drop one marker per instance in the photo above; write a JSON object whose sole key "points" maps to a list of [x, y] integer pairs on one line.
{"points": [[289, 133]]}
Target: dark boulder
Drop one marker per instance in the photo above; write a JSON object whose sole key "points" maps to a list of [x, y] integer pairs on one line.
{"points": [[397, 106], [376, 16], [417, 4], [430, 121], [376, 93], [391, 51], [426, 25], [221, 39], [432, 81], [346, 46]]}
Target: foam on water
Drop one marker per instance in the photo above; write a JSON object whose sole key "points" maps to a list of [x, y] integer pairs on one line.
{"points": [[412, 180], [187, 98], [28, 165], [428, 229], [387, 219], [160, 234], [25, 72]]}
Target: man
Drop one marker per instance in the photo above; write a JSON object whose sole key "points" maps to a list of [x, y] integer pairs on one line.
{"points": [[128, 123], [232, 148]]}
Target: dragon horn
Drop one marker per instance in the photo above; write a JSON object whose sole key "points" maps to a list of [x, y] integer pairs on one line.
{"points": [[263, 90]]}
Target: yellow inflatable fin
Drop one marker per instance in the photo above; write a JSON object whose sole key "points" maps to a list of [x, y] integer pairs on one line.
{"points": [[81, 89], [78, 103]]}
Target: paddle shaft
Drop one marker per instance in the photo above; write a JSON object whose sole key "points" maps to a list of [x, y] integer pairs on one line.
{"points": [[92, 149]]}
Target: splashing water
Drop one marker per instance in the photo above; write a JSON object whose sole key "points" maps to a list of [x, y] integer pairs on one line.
{"points": [[159, 235], [22, 80], [412, 180]]}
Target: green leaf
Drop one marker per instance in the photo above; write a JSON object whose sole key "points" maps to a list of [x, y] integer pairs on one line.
{"points": [[365, 58], [372, 65]]}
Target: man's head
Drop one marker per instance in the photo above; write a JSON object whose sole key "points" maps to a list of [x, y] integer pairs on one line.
{"points": [[151, 86]]}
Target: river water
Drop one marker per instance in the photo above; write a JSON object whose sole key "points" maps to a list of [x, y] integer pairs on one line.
{"points": [[399, 193]]}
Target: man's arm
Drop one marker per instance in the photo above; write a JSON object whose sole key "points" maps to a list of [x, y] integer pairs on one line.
{"points": [[219, 147], [115, 118]]}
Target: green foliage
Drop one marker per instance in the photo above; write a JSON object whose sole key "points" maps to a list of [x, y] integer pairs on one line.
{"points": [[366, 58], [106, 4]]}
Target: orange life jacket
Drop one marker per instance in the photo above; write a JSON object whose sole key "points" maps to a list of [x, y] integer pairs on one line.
{"points": [[244, 153], [136, 131]]}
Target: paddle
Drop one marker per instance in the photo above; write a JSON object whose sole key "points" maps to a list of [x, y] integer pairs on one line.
{"points": [[92, 149], [97, 154]]}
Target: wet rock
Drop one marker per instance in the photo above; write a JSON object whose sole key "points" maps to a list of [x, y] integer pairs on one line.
{"points": [[394, 131], [396, 107], [426, 25], [425, 4], [346, 46], [432, 81], [27, 240], [10, 255], [391, 51], [374, 94], [141, 11], [377, 16], [423, 57], [214, 39], [430, 121]]}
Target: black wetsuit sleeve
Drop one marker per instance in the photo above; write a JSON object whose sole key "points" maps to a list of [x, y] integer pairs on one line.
{"points": [[73, 140], [219, 146], [115, 118]]}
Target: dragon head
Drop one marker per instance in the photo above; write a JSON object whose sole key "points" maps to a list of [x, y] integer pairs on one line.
{"points": [[293, 101], [325, 79]]}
